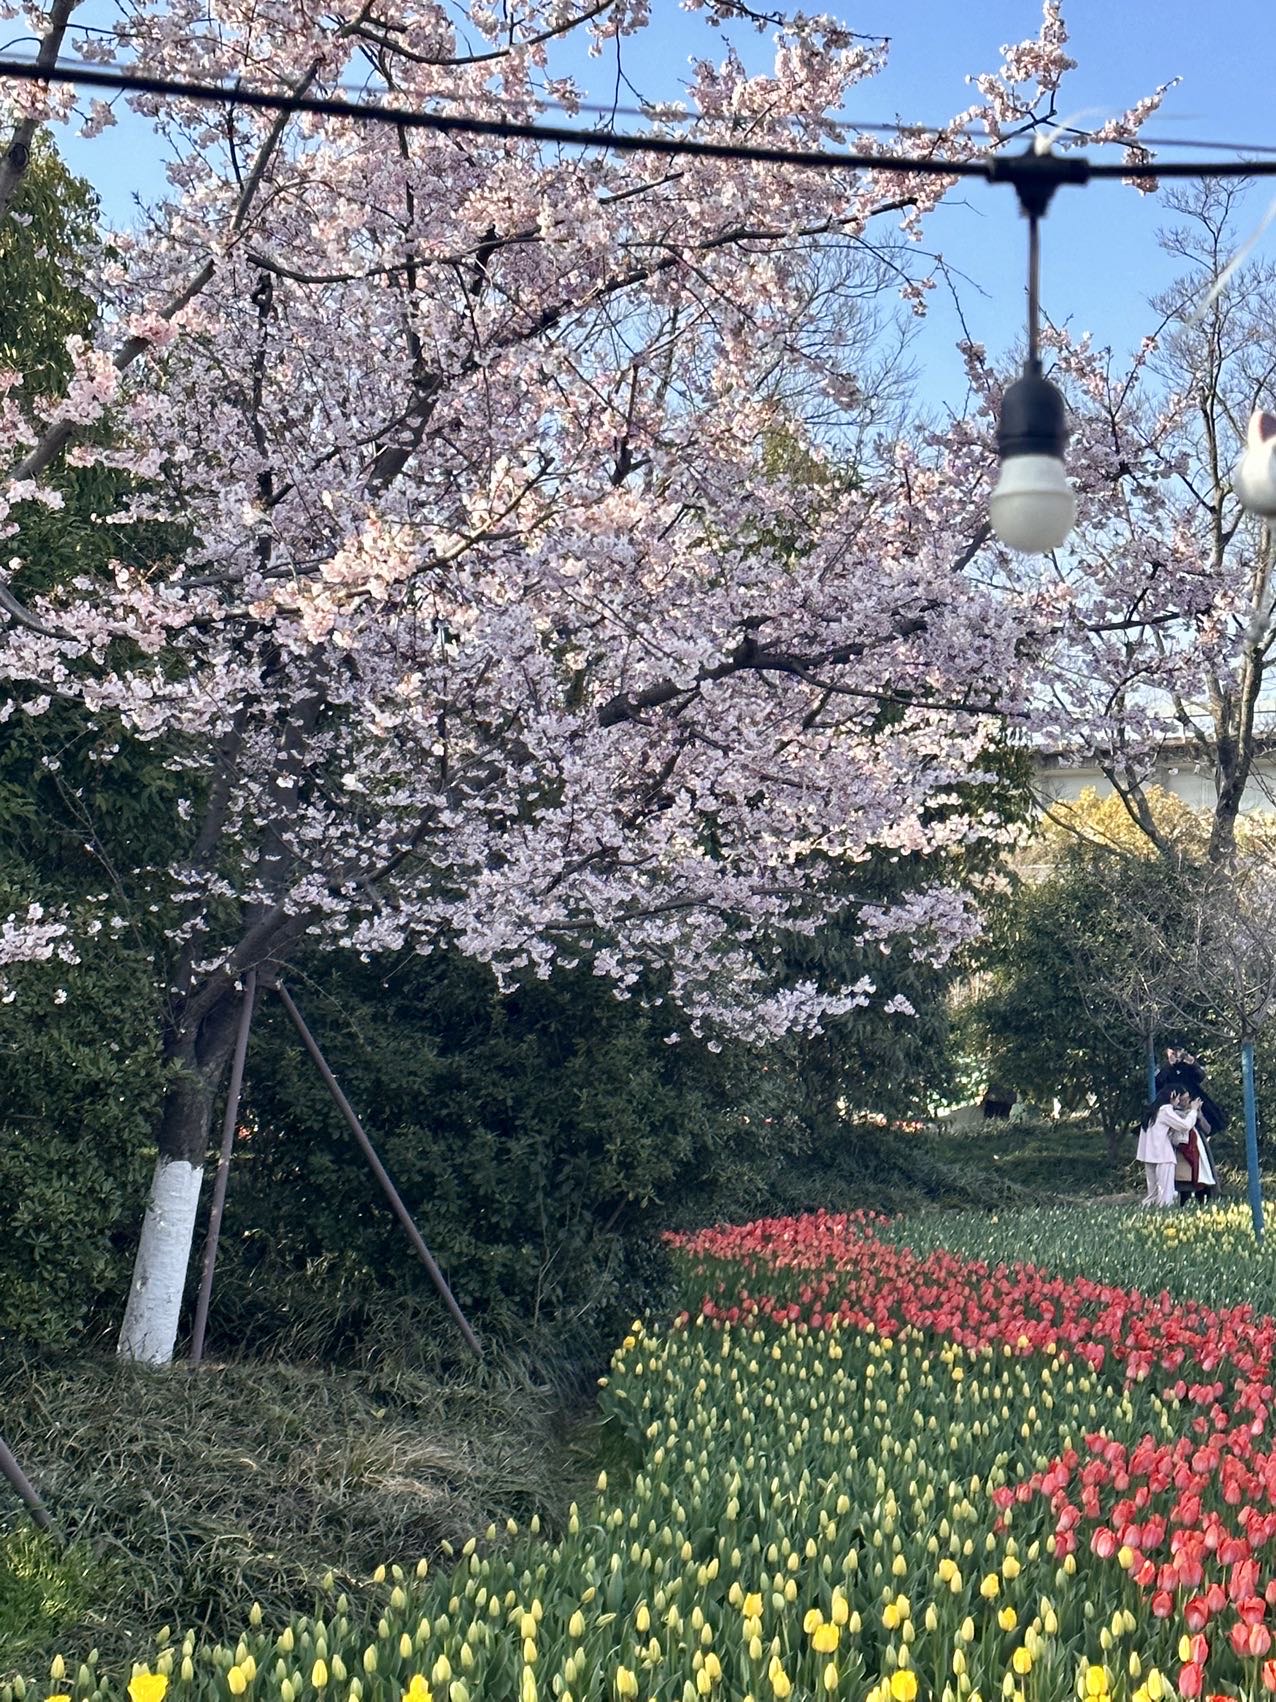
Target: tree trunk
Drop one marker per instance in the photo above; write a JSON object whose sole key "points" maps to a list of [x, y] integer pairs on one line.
{"points": [[1232, 777], [198, 1063]]}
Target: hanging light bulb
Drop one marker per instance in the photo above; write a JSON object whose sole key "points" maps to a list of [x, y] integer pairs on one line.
{"points": [[1254, 480], [1032, 508]]}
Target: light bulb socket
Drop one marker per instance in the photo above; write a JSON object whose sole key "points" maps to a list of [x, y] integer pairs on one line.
{"points": [[1034, 417]]}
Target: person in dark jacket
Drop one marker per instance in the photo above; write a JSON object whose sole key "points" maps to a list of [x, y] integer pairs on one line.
{"points": [[1197, 1176]]}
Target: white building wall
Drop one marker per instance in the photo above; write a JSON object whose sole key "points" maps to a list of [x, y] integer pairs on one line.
{"points": [[1193, 785]]}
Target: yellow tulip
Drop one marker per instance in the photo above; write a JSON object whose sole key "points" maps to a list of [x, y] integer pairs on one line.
{"points": [[904, 1685], [825, 1639], [1007, 1618], [147, 1687], [236, 1681], [1021, 1661]]}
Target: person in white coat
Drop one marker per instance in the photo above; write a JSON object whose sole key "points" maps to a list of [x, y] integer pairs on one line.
{"points": [[1167, 1122]]}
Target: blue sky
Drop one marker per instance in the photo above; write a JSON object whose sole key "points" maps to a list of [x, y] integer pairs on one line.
{"points": [[1100, 257]]}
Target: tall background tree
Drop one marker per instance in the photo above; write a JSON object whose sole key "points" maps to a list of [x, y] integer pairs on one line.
{"points": [[1082, 963], [80, 1069], [1162, 603]]}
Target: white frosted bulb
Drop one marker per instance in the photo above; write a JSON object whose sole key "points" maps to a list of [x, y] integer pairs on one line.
{"points": [[1254, 480], [1032, 508]]}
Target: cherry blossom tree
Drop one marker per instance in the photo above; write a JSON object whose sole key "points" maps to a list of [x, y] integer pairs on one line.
{"points": [[474, 613]]}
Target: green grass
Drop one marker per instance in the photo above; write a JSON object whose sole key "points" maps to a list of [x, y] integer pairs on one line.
{"points": [[44, 1590], [1067, 1159]]}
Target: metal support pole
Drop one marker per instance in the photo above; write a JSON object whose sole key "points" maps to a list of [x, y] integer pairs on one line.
{"points": [[1034, 290], [1251, 1137], [20, 1482], [223, 1168], [379, 1171], [1151, 1070]]}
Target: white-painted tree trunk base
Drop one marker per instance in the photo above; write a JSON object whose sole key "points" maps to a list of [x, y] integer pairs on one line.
{"points": [[149, 1330]]}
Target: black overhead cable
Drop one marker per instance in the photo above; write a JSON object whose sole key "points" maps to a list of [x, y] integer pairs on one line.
{"points": [[1040, 173], [674, 111]]}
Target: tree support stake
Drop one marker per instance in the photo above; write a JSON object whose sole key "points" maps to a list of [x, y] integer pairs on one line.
{"points": [[229, 1123], [24, 1489], [379, 1171]]}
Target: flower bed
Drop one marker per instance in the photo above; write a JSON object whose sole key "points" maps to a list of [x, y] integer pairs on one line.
{"points": [[863, 1472], [1208, 1253]]}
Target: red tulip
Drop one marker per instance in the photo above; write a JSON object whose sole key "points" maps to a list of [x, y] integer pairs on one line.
{"points": [[1196, 1613]]}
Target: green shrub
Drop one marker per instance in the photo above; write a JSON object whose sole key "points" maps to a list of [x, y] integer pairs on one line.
{"points": [[79, 1090], [536, 1137]]}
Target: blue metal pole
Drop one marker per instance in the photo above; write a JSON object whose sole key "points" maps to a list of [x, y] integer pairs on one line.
{"points": [[1151, 1070], [1251, 1137]]}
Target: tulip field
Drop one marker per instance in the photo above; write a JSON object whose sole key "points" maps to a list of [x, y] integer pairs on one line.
{"points": [[863, 1469], [1208, 1253]]}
